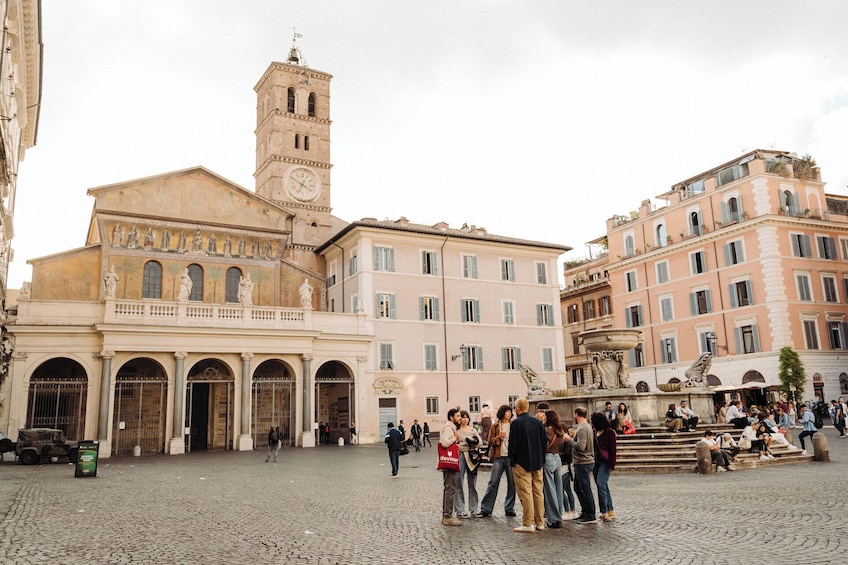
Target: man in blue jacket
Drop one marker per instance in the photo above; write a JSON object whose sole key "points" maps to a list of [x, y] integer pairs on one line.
{"points": [[527, 443], [393, 441]]}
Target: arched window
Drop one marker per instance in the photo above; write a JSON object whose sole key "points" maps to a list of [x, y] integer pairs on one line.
{"points": [[233, 279], [733, 208], [290, 104], [195, 273], [297, 141], [152, 281], [695, 223], [629, 246], [661, 239], [306, 142], [311, 105]]}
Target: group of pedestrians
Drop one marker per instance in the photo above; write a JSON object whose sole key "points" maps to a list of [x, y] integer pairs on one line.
{"points": [[539, 457], [396, 438]]}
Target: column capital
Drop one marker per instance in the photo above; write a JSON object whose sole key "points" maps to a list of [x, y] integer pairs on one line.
{"points": [[19, 355], [246, 356], [180, 355], [306, 357], [362, 358], [105, 354]]}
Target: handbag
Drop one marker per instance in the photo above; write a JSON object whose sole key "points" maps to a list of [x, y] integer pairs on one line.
{"points": [[404, 449], [628, 428], [448, 458], [744, 443]]}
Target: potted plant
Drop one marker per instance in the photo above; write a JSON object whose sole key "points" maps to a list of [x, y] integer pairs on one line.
{"points": [[744, 215], [781, 211], [668, 239]]}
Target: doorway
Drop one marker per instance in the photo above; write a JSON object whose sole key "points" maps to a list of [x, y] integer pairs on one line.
{"points": [[388, 413], [198, 417]]}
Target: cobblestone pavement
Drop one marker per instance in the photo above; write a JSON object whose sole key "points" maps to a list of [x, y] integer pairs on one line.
{"points": [[338, 505]]}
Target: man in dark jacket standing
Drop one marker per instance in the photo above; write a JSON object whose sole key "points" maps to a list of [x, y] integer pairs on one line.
{"points": [[527, 443], [393, 441]]}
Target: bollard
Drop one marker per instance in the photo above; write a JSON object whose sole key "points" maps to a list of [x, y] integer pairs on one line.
{"points": [[137, 451], [702, 453], [821, 452], [341, 442]]}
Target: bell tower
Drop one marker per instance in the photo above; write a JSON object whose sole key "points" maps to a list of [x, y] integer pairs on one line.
{"points": [[293, 146]]}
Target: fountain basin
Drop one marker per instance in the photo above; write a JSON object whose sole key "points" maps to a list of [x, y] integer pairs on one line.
{"points": [[612, 338]]}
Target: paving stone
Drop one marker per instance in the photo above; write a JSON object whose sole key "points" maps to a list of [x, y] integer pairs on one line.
{"points": [[333, 504]]}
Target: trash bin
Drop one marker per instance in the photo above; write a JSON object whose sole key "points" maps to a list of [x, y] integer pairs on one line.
{"points": [[86, 465]]}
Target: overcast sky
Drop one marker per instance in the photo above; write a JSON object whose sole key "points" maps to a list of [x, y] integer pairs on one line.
{"points": [[533, 119]]}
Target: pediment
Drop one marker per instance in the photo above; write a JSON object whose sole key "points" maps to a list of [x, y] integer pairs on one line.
{"points": [[196, 195]]}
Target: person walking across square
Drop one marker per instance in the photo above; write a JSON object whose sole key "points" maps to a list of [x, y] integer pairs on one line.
{"points": [[393, 441]]}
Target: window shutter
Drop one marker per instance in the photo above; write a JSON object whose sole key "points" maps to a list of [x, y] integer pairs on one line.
{"points": [[465, 359], [377, 307], [421, 308], [631, 357], [830, 246], [693, 303], [820, 242], [740, 252], [737, 334], [755, 334], [750, 290], [795, 206], [734, 301], [796, 249], [538, 314], [479, 358], [463, 309], [728, 258], [709, 299], [392, 306], [436, 309], [693, 263], [664, 350], [627, 318], [517, 356], [845, 285], [725, 213], [477, 311], [639, 314], [806, 250], [504, 358]]}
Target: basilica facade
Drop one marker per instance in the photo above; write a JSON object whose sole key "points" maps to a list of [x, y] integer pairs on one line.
{"points": [[199, 314]]}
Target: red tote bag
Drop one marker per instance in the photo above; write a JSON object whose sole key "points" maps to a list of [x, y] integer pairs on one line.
{"points": [[448, 458]]}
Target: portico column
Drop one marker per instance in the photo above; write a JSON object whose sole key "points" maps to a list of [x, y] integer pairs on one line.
{"points": [[105, 393], [177, 446], [245, 440], [308, 437]]}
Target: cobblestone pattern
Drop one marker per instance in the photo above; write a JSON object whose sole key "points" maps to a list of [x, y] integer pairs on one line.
{"points": [[338, 505]]}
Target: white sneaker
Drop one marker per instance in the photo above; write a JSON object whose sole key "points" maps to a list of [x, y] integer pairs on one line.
{"points": [[763, 458], [721, 470], [804, 452], [770, 456], [524, 529]]}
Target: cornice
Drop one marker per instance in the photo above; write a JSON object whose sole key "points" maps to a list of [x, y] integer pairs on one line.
{"points": [[292, 161]]}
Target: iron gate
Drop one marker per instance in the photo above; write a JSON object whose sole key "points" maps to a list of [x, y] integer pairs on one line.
{"points": [[58, 404], [140, 415], [272, 405]]}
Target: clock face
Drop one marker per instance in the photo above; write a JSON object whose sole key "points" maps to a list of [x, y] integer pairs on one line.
{"points": [[303, 184]]}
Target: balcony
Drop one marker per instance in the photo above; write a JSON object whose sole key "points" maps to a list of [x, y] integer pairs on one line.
{"points": [[157, 313]]}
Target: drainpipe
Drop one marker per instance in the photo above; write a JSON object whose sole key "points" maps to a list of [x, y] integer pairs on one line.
{"points": [[444, 319]]}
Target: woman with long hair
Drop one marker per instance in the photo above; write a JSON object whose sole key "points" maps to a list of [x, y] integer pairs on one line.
{"points": [[605, 445], [553, 470], [624, 419]]}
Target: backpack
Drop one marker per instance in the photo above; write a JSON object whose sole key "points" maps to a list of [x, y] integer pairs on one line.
{"points": [[818, 423], [273, 438], [565, 453]]}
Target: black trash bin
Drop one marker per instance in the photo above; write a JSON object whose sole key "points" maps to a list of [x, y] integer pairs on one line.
{"points": [[86, 464]]}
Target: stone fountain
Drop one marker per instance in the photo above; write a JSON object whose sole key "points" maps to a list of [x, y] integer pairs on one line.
{"points": [[610, 382]]}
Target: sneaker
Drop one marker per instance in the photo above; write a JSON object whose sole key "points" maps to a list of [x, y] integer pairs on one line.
{"points": [[476, 515], [606, 517], [464, 515], [770, 456], [720, 469], [555, 525], [763, 458], [803, 452], [484, 514], [586, 520], [524, 529], [611, 515], [510, 513], [729, 468], [569, 515], [450, 521]]}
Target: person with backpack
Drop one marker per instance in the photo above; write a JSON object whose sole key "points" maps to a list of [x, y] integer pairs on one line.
{"points": [[808, 423], [273, 444]]}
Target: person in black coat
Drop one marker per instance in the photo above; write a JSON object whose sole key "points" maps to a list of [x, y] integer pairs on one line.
{"points": [[393, 441], [527, 443]]}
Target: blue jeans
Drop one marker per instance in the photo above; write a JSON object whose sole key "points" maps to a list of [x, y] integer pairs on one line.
{"points": [[568, 493], [500, 465], [553, 487], [464, 473], [583, 487], [602, 474], [394, 457]]}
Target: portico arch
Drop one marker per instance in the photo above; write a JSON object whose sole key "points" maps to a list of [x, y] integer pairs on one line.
{"points": [[140, 408], [334, 399], [209, 406], [57, 397], [272, 402]]}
